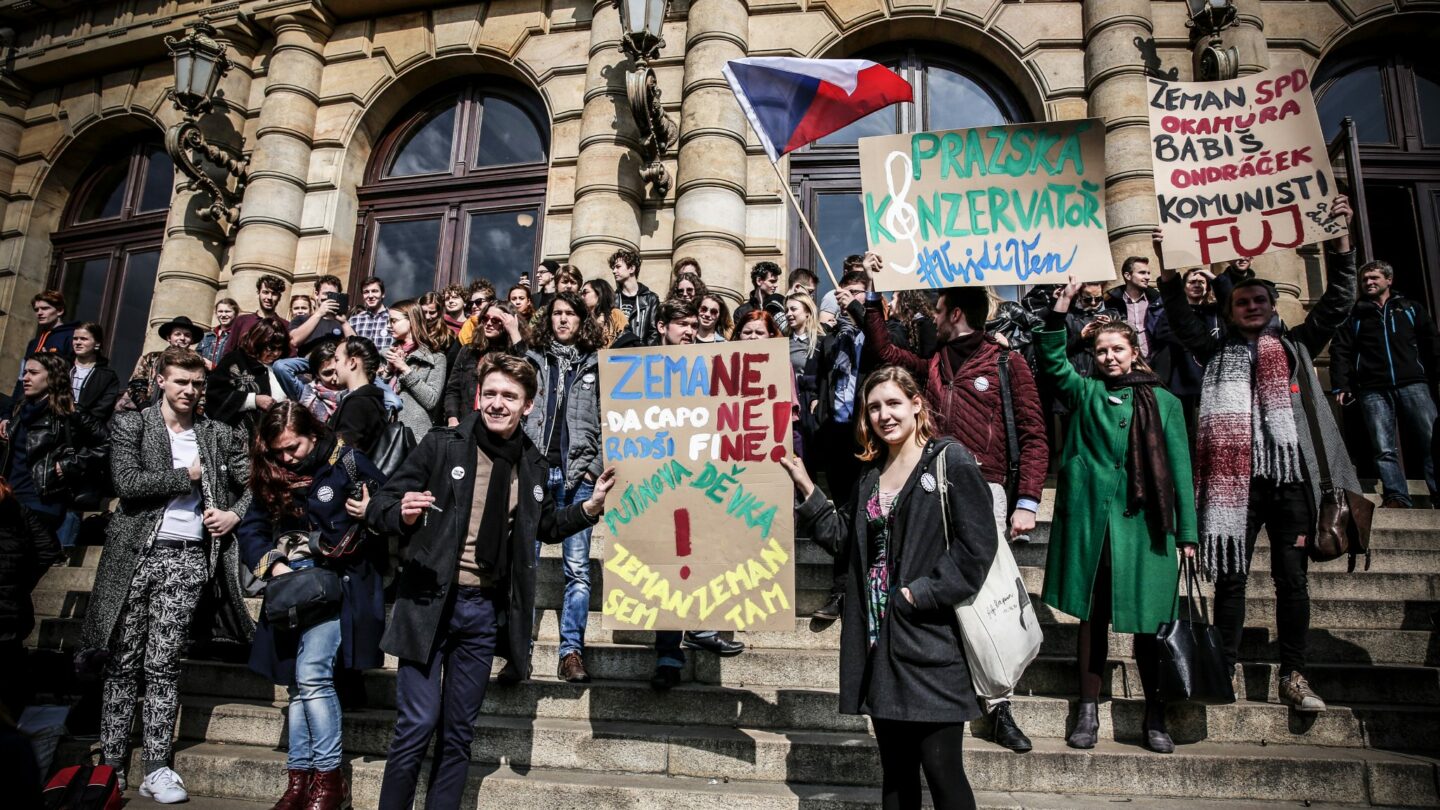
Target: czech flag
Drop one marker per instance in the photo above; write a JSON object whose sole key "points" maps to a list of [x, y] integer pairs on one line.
{"points": [[792, 102]]}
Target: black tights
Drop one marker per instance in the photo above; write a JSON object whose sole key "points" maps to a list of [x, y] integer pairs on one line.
{"points": [[907, 747], [1094, 643]]}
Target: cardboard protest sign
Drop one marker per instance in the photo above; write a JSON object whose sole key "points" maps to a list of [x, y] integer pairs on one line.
{"points": [[1241, 167], [700, 525], [987, 206]]}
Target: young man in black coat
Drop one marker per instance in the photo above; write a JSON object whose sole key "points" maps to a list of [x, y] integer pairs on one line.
{"points": [[469, 501]]}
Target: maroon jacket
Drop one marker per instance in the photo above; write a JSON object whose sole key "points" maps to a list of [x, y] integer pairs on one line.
{"points": [[969, 410]]}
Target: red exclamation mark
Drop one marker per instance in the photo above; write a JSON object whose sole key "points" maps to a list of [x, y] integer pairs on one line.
{"points": [[782, 412], [682, 539]]}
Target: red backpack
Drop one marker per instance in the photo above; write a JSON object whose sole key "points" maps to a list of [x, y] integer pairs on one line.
{"points": [[83, 787]]}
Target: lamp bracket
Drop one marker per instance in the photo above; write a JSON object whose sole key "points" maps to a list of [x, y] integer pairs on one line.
{"points": [[187, 146]]}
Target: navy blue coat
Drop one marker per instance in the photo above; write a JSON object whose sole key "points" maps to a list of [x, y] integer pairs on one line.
{"points": [[362, 605]]}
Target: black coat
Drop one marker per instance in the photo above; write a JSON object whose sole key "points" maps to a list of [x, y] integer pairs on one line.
{"points": [[97, 397], [361, 418], [917, 670], [1382, 347], [362, 601], [50, 441], [229, 386], [27, 550], [444, 465]]}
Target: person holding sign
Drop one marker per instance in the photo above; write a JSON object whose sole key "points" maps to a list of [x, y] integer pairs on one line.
{"points": [[1257, 461], [1127, 463], [469, 502], [916, 547]]}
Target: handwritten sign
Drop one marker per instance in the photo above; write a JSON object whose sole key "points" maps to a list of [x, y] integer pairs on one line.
{"points": [[700, 526], [1241, 167], [987, 206]]}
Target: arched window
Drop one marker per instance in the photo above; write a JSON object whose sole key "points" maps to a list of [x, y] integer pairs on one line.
{"points": [[456, 190], [107, 250], [1390, 86], [951, 92]]}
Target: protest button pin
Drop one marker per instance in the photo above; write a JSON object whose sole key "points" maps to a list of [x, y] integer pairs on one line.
{"points": [[457, 473], [538, 493], [982, 383], [325, 494], [1114, 400]]}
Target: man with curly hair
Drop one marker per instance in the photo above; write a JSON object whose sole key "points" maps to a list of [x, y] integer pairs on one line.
{"points": [[633, 298]]}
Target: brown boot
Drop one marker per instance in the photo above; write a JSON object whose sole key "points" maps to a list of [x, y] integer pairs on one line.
{"points": [[572, 669], [328, 791], [297, 791]]}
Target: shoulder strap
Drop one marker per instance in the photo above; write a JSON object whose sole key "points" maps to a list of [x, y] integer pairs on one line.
{"points": [[1007, 407], [940, 481], [1307, 402]]}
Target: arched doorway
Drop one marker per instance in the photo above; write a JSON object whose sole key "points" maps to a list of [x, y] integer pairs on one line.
{"points": [[1392, 91], [455, 189], [107, 250], [952, 89]]}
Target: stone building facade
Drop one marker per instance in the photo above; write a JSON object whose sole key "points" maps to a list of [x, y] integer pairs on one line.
{"points": [[429, 142]]}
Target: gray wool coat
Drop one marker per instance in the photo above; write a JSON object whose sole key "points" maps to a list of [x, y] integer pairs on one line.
{"points": [[1301, 343], [145, 480], [421, 389]]}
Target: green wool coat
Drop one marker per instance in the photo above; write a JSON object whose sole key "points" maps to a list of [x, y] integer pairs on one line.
{"points": [[1090, 502]]}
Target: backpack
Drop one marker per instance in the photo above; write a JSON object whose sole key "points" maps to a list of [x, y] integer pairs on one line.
{"points": [[83, 787]]}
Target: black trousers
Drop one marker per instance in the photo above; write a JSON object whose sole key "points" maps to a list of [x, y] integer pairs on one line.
{"points": [[835, 448], [906, 748], [1283, 510]]}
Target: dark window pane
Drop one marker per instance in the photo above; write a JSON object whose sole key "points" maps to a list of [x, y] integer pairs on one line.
{"points": [[880, 122], [426, 150], [955, 101], [500, 246], [107, 195], [840, 225], [507, 135], [132, 316], [1427, 89], [159, 182], [405, 254], [85, 288], [1359, 94]]}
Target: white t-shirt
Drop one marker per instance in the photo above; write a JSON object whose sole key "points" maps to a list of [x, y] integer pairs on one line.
{"points": [[182, 514], [78, 375]]}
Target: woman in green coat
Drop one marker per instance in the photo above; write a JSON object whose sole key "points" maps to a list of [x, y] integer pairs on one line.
{"points": [[1125, 500]]}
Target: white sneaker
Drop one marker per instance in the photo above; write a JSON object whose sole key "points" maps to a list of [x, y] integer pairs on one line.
{"points": [[164, 786]]}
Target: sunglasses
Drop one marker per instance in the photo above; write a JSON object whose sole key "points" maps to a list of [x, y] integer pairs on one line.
{"points": [[494, 322], [1092, 299], [710, 310], [477, 303]]}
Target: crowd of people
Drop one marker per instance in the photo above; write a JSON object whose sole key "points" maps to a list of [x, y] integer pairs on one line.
{"points": [[418, 452]]}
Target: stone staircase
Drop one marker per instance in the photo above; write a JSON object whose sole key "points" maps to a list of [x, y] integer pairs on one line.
{"points": [[760, 730]]}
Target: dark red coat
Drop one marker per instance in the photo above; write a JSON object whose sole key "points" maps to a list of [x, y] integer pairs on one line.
{"points": [[970, 410]]}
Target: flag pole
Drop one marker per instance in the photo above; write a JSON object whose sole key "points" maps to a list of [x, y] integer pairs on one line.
{"points": [[785, 184]]}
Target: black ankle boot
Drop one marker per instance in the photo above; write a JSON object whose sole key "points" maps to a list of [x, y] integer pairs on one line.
{"points": [[1157, 739], [1007, 733], [1087, 726]]}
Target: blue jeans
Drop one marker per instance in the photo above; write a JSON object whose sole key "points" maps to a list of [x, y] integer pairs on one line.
{"points": [[314, 711], [1411, 409], [69, 529], [575, 605], [288, 371]]}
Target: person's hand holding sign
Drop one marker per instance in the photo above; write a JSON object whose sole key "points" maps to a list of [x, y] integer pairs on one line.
{"points": [[796, 468], [596, 502]]}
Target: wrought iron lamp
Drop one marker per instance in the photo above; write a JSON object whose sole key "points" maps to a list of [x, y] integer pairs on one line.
{"points": [[642, 22], [200, 64], [1217, 62]]}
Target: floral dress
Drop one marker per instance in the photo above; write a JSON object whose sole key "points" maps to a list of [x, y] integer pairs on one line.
{"points": [[877, 582]]}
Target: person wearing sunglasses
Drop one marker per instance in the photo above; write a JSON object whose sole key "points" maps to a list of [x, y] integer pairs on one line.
{"points": [[309, 484], [481, 294]]}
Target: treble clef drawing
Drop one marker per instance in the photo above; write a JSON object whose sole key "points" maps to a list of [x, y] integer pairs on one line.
{"points": [[901, 219]]}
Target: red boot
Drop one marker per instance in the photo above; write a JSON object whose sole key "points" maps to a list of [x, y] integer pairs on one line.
{"points": [[297, 791], [328, 791]]}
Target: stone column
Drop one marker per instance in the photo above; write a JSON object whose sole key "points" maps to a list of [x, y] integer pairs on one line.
{"points": [[192, 255], [608, 189], [18, 321], [710, 187], [1115, 90], [269, 228]]}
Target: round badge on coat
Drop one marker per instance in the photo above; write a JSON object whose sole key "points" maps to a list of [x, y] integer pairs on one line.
{"points": [[1114, 400], [982, 383], [457, 473], [538, 493], [927, 481], [325, 494], [588, 378]]}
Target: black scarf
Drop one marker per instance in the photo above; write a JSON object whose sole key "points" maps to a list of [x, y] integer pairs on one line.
{"points": [[492, 540], [1147, 462]]}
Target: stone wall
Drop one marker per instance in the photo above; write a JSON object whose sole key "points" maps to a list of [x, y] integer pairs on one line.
{"points": [[315, 86]]}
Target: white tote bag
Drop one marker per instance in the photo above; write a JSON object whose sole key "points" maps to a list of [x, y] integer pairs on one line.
{"points": [[998, 625]]}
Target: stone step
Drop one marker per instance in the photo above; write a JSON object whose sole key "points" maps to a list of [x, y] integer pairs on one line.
{"points": [[249, 771], [819, 669], [688, 768]]}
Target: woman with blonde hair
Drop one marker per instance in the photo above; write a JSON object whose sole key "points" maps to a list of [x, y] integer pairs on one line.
{"points": [[915, 546]]}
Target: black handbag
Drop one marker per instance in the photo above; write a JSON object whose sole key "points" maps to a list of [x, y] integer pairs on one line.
{"points": [[302, 598], [395, 444], [1192, 654]]}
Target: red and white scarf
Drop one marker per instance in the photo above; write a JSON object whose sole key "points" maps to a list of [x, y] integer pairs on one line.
{"points": [[1247, 430]]}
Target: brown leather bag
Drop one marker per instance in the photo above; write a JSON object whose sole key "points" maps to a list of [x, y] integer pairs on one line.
{"points": [[1344, 516]]}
